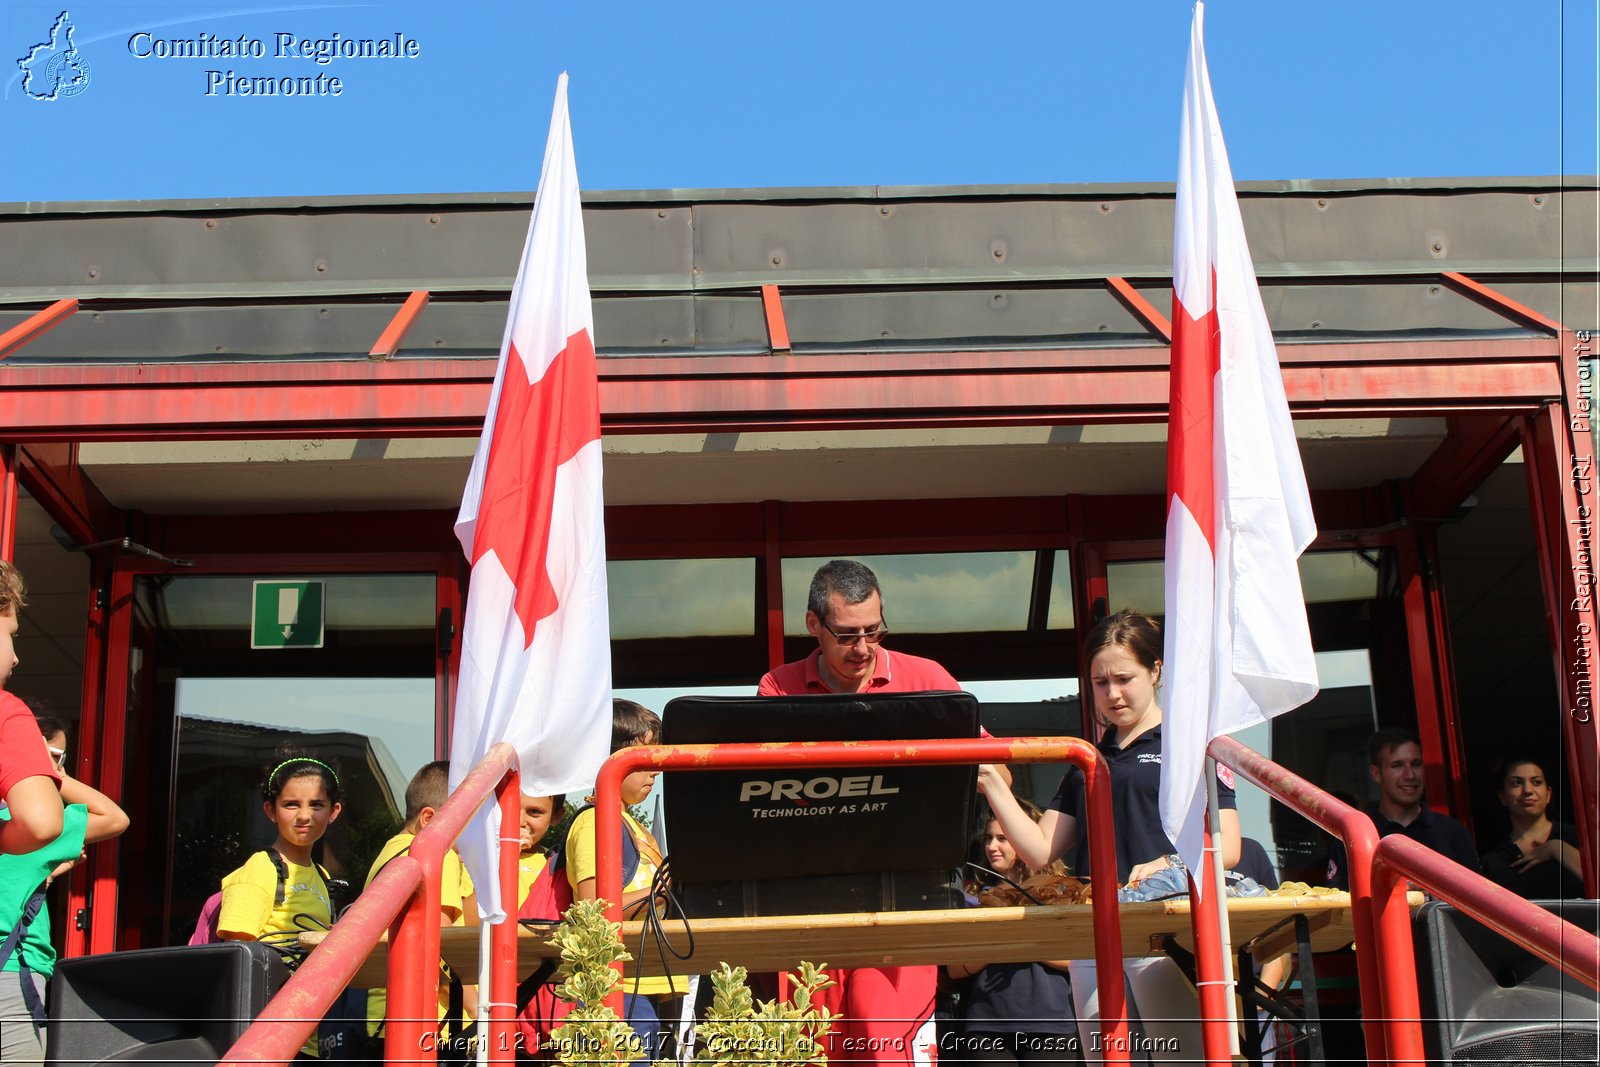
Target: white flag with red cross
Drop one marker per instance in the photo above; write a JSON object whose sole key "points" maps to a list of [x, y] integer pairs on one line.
{"points": [[1238, 646], [535, 651]]}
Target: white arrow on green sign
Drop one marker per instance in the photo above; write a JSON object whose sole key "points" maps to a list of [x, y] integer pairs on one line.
{"points": [[286, 615]]}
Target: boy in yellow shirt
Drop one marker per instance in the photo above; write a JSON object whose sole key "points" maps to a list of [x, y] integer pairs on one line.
{"points": [[658, 998], [425, 795], [538, 814]]}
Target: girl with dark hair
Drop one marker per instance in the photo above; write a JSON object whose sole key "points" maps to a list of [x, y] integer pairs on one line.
{"points": [[1013, 1013], [1123, 653], [1538, 859], [300, 797], [1124, 657], [282, 891]]}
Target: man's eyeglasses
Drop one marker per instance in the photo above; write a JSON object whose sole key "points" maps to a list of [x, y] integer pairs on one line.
{"points": [[58, 756], [871, 637]]}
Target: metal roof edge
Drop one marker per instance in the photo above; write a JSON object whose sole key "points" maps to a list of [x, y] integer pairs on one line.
{"points": [[644, 197]]}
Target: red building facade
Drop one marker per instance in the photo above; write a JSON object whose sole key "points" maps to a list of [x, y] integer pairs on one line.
{"points": [[967, 387]]}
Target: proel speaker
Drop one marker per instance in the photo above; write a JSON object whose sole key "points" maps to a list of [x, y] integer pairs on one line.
{"points": [[1486, 1000], [186, 1004]]}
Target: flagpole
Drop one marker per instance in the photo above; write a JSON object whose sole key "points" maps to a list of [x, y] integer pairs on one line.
{"points": [[486, 989], [1219, 886]]}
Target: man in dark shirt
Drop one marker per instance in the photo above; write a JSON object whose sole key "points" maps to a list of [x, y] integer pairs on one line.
{"points": [[1396, 758]]}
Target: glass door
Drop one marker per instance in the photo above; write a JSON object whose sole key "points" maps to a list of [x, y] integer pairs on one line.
{"points": [[222, 673]]}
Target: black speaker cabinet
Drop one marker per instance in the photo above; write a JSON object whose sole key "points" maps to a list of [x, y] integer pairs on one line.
{"points": [[1485, 1000], [823, 894], [161, 1005]]}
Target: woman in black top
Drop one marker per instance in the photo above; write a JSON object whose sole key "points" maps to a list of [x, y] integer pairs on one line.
{"points": [[1014, 1013], [1538, 859], [1124, 675], [1123, 654]]}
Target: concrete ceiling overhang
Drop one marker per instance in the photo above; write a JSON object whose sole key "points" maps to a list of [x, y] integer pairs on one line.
{"points": [[266, 477]]}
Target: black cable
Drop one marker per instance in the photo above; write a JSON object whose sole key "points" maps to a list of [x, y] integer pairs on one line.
{"points": [[286, 943], [661, 886], [989, 870]]}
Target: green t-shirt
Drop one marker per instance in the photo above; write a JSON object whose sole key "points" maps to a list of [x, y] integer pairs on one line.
{"points": [[21, 875]]}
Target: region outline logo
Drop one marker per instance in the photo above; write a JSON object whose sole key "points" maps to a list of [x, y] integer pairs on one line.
{"points": [[54, 69]]}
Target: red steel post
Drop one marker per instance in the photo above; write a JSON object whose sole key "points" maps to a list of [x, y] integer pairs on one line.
{"points": [[1559, 450], [414, 943], [1102, 881], [8, 503], [1373, 925], [1211, 982], [40, 322], [1499, 303], [1140, 308], [777, 327], [411, 1026], [502, 1012], [389, 341], [938, 751]]}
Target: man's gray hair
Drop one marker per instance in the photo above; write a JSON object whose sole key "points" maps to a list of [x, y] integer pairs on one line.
{"points": [[853, 581]]}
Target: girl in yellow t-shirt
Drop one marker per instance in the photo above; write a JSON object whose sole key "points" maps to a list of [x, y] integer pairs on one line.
{"points": [[658, 999], [300, 796]]}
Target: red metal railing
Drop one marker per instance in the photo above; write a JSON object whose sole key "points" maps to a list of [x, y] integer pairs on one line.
{"points": [[1380, 961], [1554, 940], [1102, 842], [405, 894], [1385, 955]]}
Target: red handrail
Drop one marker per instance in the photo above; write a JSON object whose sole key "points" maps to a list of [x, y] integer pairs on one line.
{"points": [[1379, 962], [945, 751], [1385, 955], [1545, 934], [411, 882]]}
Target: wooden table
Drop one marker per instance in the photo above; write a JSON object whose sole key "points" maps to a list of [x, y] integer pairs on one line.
{"points": [[989, 935]]}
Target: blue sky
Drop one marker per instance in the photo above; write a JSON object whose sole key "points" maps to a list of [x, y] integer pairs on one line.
{"points": [[703, 94]]}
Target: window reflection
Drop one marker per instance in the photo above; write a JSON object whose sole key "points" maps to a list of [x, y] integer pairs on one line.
{"points": [[1325, 578], [931, 593], [681, 597], [1140, 586], [1061, 616], [352, 601]]}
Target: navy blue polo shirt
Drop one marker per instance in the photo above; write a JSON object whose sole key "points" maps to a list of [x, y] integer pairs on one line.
{"points": [[1135, 802], [1549, 880], [1439, 832]]}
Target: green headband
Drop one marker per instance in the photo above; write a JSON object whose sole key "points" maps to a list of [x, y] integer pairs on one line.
{"points": [[302, 759]]}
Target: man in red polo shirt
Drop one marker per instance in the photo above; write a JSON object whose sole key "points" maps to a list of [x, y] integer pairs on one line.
{"points": [[886, 1012], [845, 614]]}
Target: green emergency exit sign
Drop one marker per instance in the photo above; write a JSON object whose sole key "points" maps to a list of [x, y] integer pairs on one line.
{"points": [[286, 615]]}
